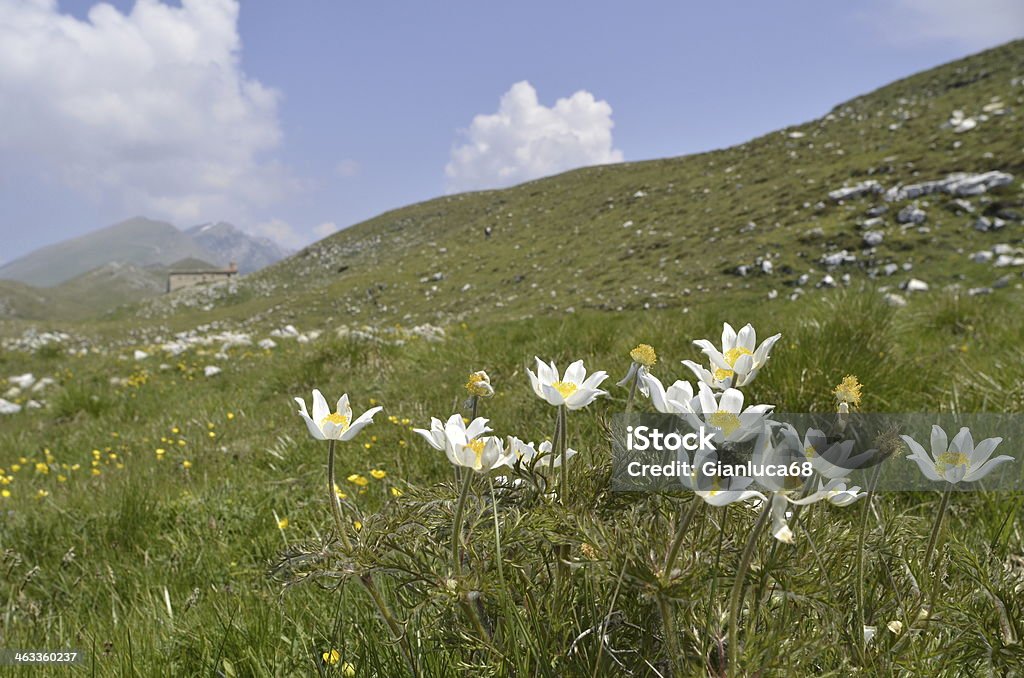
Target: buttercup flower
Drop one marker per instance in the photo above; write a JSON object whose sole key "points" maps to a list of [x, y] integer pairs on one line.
{"points": [[957, 460], [675, 399], [479, 385], [527, 453], [574, 390], [644, 358], [738, 363], [724, 412], [338, 426]]}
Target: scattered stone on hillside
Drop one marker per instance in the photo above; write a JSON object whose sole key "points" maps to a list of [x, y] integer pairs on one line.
{"points": [[773, 294], [22, 381], [640, 194], [994, 107], [211, 370], [983, 257], [743, 270], [914, 285], [838, 258], [803, 279], [846, 279], [286, 332], [979, 291], [827, 281], [796, 135], [911, 214], [893, 299], [466, 287], [33, 405], [627, 224], [1001, 282], [1004, 260], [873, 238], [7, 407], [961, 123], [267, 344], [873, 222], [960, 184], [140, 355], [963, 205], [766, 267], [877, 211], [985, 224], [890, 269], [855, 191]]}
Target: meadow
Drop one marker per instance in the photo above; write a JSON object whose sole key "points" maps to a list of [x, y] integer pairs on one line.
{"points": [[176, 524]]}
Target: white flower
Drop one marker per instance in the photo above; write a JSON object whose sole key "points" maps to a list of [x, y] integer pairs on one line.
{"points": [[644, 358], [574, 390], [829, 459], [957, 460], [338, 426], [673, 400], [467, 445], [738, 363], [718, 490], [724, 413], [541, 455], [834, 492]]}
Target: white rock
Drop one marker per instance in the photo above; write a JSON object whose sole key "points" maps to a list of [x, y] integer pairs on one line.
{"points": [[33, 405], [23, 381], [140, 355], [766, 267], [827, 281], [982, 257], [890, 269], [893, 299], [915, 285], [873, 238], [267, 344], [911, 214], [837, 258], [212, 370], [7, 407], [863, 188]]}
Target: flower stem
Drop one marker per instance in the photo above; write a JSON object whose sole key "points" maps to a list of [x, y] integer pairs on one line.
{"points": [[474, 405], [632, 391], [937, 527], [737, 589], [339, 522], [861, 617], [457, 525], [497, 533], [669, 623], [677, 542], [560, 451]]}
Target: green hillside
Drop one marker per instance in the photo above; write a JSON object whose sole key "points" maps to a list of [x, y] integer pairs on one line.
{"points": [[139, 241], [671, 233]]}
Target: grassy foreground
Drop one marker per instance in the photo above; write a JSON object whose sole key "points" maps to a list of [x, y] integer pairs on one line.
{"points": [[179, 525]]}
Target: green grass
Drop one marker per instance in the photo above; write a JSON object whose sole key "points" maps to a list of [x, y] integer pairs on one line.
{"points": [[87, 565]]}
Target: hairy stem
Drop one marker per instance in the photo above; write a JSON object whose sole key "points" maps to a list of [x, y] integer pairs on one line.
{"points": [[668, 621], [737, 589], [457, 525], [677, 542]]}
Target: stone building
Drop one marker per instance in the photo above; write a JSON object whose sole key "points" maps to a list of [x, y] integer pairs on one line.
{"points": [[180, 278]]}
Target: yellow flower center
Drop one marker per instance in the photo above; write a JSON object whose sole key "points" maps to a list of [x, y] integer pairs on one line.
{"points": [[478, 449], [810, 452], [848, 391], [727, 421], [479, 385], [565, 388], [949, 460], [731, 356], [336, 418], [644, 354]]}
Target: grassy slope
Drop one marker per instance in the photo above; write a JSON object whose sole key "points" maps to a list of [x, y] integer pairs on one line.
{"points": [[560, 242]]}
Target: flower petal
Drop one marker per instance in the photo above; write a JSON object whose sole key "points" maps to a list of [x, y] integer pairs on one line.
{"points": [[320, 409]]}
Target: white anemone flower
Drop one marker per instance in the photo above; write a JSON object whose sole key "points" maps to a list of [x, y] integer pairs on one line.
{"points": [[725, 414], [718, 490], [834, 492], [575, 389], [541, 455], [466, 445], [672, 400], [831, 459], [324, 425], [738, 363], [957, 460]]}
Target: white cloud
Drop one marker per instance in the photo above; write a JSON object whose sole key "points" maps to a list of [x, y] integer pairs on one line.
{"points": [[975, 25], [279, 231], [325, 229], [525, 140], [145, 112]]}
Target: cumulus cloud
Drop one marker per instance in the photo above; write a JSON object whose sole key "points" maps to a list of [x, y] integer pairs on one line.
{"points": [[279, 231], [325, 229], [975, 25], [525, 140], [145, 112]]}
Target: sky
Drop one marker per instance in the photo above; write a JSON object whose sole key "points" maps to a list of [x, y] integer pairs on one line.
{"points": [[294, 119]]}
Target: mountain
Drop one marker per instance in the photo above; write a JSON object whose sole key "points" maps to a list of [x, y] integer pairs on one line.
{"points": [[228, 243], [139, 241], [919, 180]]}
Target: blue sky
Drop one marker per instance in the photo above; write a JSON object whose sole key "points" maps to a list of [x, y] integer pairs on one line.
{"points": [[293, 118]]}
